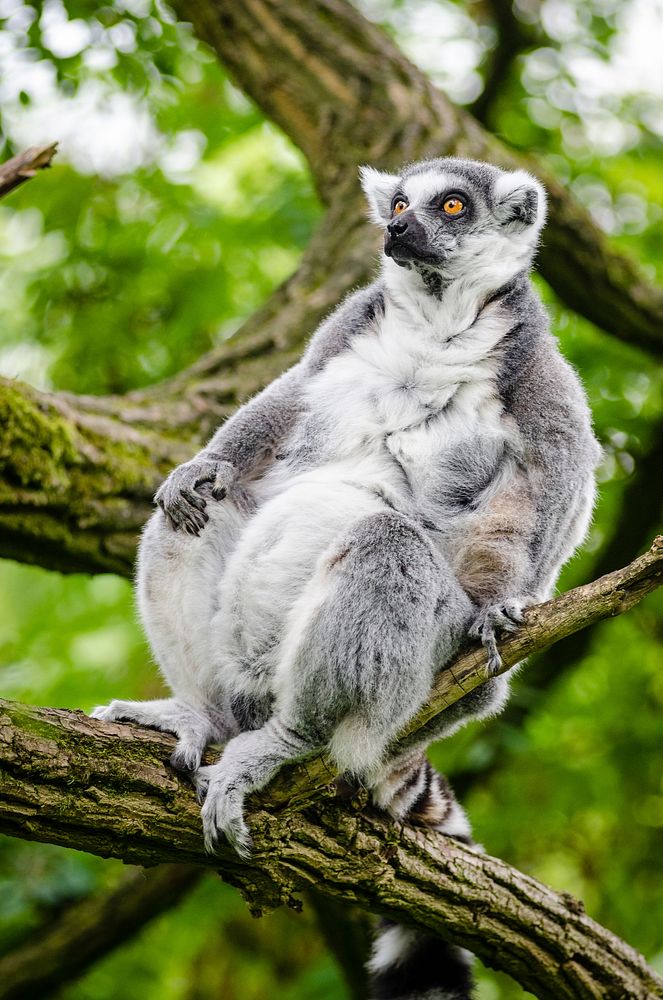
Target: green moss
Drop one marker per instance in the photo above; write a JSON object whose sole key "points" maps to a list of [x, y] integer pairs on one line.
{"points": [[37, 445]]}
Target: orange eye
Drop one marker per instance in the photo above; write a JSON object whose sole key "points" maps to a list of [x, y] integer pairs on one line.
{"points": [[400, 206], [453, 206]]}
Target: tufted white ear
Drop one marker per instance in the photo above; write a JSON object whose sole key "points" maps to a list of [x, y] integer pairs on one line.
{"points": [[520, 201], [379, 189]]}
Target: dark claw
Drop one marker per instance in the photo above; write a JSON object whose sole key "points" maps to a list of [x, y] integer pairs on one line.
{"points": [[219, 492], [178, 762], [490, 645], [194, 499]]}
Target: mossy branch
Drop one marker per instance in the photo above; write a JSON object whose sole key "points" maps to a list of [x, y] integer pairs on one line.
{"points": [[107, 788], [77, 473]]}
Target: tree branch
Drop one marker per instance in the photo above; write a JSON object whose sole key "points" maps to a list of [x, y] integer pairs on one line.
{"points": [[77, 473], [106, 788], [513, 38], [24, 166], [343, 92], [90, 929]]}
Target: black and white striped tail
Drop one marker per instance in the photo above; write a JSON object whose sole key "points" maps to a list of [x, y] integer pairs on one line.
{"points": [[406, 964]]}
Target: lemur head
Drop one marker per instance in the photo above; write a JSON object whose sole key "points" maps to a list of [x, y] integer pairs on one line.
{"points": [[449, 218]]}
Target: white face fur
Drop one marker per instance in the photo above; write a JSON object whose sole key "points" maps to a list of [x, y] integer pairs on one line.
{"points": [[453, 220]]}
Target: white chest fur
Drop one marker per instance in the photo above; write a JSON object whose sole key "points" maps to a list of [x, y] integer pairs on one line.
{"points": [[406, 386]]}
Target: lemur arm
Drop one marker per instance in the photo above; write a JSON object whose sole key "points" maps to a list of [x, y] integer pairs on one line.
{"points": [[239, 448], [532, 525], [251, 436]]}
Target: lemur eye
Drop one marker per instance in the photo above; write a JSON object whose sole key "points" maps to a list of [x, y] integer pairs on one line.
{"points": [[453, 205], [399, 206]]}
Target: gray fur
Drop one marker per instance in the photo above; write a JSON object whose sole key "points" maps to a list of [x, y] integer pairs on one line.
{"points": [[420, 475]]}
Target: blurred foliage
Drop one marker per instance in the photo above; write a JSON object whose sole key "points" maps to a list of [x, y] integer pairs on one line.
{"points": [[172, 212]]}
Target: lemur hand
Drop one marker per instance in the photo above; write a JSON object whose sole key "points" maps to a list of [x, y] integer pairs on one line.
{"points": [[183, 495], [503, 616]]}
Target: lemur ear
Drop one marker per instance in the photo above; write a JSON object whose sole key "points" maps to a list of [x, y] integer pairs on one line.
{"points": [[520, 201], [379, 189]]}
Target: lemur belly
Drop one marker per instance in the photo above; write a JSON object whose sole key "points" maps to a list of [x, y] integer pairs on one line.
{"points": [[383, 424]]}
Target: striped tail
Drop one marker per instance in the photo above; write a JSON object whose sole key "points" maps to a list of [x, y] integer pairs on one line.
{"points": [[407, 964]]}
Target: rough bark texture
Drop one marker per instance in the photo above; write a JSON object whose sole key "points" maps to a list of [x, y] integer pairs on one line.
{"points": [[77, 475], [90, 929], [107, 788]]}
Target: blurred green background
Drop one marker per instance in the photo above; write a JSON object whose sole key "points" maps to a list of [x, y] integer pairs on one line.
{"points": [[172, 211]]}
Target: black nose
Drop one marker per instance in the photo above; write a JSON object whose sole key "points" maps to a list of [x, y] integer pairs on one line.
{"points": [[398, 227]]}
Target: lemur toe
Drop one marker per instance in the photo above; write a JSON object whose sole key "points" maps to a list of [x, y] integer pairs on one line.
{"points": [[223, 812], [186, 756], [201, 781]]}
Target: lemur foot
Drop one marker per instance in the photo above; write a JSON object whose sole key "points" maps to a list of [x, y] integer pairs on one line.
{"points": [[223, 809], [184, 494], [195, 729], [504, 616]]}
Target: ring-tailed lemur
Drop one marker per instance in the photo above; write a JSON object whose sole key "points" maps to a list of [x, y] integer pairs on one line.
{"points": [[420, 475]]}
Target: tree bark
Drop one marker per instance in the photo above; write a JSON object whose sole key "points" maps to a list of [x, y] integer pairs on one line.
{"points": [[24, 166], [107, 788]]}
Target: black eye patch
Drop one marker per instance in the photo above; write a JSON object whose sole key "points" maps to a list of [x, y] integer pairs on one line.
{"points": [[437, 203]]}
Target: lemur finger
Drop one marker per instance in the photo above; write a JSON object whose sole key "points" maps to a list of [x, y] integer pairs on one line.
{"points": [[201, 478], [186, 516], [195, 499], [514, 611]]}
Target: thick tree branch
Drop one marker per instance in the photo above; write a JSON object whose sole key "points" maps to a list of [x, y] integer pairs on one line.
{"points": [[343, 92], [77, 473], [24, 166], [514, 37], [106, 788], [90, 929]]}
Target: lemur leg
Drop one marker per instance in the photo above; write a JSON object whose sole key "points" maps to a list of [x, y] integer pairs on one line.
{"points": [[177, 583], [405, 963], [248, 762], [357, 661]]}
